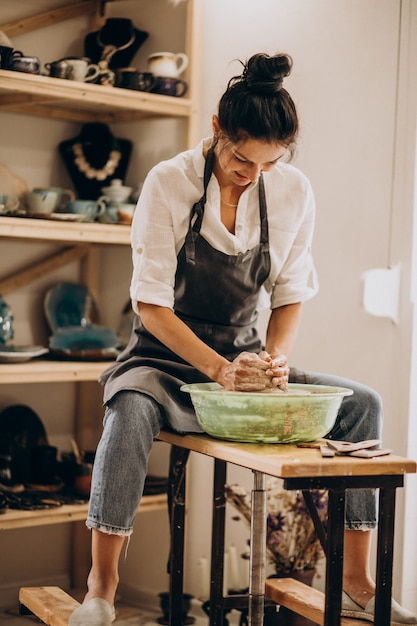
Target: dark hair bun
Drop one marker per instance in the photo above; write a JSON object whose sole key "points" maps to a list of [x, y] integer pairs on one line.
{"points": [[264, 74]]}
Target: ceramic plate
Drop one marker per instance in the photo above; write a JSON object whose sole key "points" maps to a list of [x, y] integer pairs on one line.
{"points": [[19, 354], [69, 217], [69, 304], [63, 217], [85, 343]]}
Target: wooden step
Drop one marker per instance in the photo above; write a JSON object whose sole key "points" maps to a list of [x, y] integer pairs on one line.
{"points": [[50, 604], [302, 599]]}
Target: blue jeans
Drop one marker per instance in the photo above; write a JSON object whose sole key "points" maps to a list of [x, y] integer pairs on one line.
{"points": [[132, 420]]}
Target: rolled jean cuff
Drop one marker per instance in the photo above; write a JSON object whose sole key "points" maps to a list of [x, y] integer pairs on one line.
{"points": [[360, 525], [108, 530]]}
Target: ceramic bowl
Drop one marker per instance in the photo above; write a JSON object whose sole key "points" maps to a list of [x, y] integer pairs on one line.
{"points": [[84, 342], [303, 413], [125, 213]]}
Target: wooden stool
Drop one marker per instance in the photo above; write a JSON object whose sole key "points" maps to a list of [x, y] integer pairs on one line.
{"points": [[50, 604]]}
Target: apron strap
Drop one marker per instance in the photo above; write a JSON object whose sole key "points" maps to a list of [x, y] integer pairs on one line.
{"points": [[263, 213], [198, 210]]}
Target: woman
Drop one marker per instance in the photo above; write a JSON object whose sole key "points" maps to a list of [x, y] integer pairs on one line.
{"points": [[216, 230]]}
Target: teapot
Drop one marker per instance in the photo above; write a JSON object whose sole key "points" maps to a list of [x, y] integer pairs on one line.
{"points": [[167, 64], [116, 192]]}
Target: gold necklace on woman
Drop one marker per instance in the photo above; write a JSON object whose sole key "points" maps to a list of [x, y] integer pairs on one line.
{"points": [[228, 203], [91, 172]]}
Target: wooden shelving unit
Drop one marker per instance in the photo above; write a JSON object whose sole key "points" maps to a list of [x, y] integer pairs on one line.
{"points": [[56, 99], [49, 371], [66, 513], [81, 102], [71, 232]]}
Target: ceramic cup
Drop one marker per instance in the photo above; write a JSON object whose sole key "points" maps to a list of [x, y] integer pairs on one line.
{"points": [[130, 78], [5, 57], [109, 216], [62, 196], [167, 64], [22, 63], [8, 202], [81, 69], [42, 201], [125, 212], [170, 86], [91, 209], [58, 69]]}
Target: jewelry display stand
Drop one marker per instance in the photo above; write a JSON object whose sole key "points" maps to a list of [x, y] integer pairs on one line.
{"points": [[116, 42], [94, 158]]}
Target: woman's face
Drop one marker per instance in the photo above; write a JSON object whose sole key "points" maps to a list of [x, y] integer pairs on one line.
{"points": [[241, 163]]}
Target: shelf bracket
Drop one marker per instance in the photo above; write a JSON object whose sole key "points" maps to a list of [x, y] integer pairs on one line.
{"points": [[46, 266], [49, 18]]}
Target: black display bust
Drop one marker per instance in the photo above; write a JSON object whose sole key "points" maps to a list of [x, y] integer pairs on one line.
{"points": [[94, 158], [118, 33]]}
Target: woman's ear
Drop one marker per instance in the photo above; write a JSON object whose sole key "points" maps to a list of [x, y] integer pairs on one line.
{"points": [[215, 125]]}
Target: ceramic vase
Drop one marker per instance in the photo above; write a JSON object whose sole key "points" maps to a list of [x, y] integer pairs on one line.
{"points": [[6, 321]]}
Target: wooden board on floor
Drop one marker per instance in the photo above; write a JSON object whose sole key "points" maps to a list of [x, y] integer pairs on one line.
{"points": [[50, 604], [302, 599]]}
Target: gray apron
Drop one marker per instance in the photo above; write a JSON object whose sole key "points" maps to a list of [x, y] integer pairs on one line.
{"points": [[216, 295]]}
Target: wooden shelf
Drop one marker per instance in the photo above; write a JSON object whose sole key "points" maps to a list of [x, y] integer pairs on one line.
{"points": [[48, 371], [67, 513], [80, 232], [56, 98]]}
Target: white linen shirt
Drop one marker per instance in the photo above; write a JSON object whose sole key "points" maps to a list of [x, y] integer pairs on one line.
{"points": [[161, 221]]}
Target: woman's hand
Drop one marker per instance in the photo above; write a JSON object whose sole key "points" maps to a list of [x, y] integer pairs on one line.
{"points": [[253, 372], [278, 370]]}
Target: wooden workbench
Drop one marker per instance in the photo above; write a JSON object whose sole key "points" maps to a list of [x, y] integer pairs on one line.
{"points": [[300, 468]]}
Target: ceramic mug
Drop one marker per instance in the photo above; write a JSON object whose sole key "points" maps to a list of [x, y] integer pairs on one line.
{"points": [[42, 201], [130, 78], [58, 69], [6, 54], [167, 64], [170, 86], [8, 202], [90, 209], [62, 196], [81, 69], [22, 63]]}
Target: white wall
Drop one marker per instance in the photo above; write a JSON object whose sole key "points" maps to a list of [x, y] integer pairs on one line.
{"points": [[345, 83]]}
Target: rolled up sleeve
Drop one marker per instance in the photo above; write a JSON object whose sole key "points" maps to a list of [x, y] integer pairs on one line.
{"points": [[293, 275]]}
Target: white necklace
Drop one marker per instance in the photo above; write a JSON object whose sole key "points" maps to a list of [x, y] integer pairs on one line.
{"points": [[109, 50], [91, 172]]}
